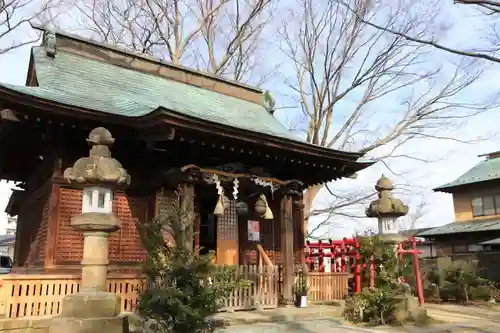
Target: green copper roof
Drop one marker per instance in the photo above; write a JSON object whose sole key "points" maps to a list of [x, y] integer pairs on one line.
{"points": [[462, 227], [488, 169], [78, 81], [495, 241]]}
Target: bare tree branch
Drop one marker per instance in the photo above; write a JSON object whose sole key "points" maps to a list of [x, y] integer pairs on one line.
{"points": [[222, 37], [13, 15], [492, 6], [361, 88]]}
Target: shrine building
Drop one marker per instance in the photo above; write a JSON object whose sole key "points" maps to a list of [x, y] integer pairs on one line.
{"points": [[174, 128]]}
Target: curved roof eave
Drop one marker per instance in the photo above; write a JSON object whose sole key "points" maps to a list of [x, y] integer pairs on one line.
{"points": [[49, 105]]}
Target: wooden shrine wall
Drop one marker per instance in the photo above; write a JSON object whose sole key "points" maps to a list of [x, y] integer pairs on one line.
{"points": [[33, 220], [52, 206], [124, 244]]}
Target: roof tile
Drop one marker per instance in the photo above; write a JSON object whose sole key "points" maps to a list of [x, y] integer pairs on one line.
{"points": [[75, 80], [488, 169], [462, 227]]}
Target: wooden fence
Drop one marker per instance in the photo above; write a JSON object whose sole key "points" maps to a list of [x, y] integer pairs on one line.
{"points": [[36, 295], [327, 286], [31, 295]]}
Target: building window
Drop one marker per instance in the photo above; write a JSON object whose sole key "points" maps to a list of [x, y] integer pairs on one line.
{"points": [[486, 205]]}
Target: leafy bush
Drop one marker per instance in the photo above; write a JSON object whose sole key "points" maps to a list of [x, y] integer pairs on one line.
{"points": [[372, 306], [436, 277], [457, 282], [480, 293], [464, 276], [183, 288], [300, 287]]}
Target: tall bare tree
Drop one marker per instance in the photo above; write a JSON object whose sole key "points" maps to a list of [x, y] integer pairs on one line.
{"points": [[222, 37], [363, 89], [14, 14], [488, 10]]}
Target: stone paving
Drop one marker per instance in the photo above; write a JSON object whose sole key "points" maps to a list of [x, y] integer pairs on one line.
{"points": [[304, 326], [322, 319]]}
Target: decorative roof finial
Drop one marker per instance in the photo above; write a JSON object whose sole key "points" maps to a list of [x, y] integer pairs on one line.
{"points": [[49, 41], [268, 102]]}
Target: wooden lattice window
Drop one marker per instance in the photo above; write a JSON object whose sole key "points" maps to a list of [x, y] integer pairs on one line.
{"points": [[227, 224]]}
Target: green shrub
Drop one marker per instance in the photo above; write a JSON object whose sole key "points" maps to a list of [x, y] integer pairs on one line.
{"points": [[461, 277], [374, 307], [480, 293], [183, 288]]}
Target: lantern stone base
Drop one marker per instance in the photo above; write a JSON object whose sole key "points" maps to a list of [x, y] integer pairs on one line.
{"points": [[89, 325], [392, 238], [90, 312], [91, 305]]}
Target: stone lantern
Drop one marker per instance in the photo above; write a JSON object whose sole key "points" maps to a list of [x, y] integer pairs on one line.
{"points": [[387, 210], [93, 309]]}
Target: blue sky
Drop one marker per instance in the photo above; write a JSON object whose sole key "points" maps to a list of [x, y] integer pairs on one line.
{"points": [[454, 158]]}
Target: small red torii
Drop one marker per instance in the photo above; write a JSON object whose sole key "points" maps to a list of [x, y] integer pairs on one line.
{"points": [[347, 250]]}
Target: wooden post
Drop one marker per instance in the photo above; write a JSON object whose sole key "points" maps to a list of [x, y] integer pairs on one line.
{"points": [[187, 190], [52, 227], [286, 223], [303, 233]]}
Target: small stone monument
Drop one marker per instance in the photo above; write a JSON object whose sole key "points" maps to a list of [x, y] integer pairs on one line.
{"points": [[387, 210], [93, 309]]}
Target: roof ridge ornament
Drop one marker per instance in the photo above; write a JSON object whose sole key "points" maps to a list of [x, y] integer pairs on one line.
{"points": [[268, 101], [50, 42]]}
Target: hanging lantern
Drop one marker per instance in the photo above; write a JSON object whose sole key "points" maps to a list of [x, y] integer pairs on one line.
{"points": [[241, 208], [260, 205]]}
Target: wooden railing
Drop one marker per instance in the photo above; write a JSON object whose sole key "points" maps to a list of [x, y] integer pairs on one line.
{"points": [[40, 295], [260, 292], [36, 295], [323, 286], [327, 286]]}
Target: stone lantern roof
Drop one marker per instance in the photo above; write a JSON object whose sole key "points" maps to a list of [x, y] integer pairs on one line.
{"points": [[386, 205], [99, 168]]}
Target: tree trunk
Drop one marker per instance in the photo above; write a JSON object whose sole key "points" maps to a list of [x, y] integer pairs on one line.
{"points": [[308, 200]]}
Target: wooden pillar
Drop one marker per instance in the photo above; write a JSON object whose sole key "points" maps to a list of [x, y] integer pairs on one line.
{"points": [[299, 206], [52, 227], [187, 190], [197, 225], [286, 224]]}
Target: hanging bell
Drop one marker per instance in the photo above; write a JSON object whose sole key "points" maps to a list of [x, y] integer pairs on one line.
{"points": [[260, 205], [241, 208], [219, 207], [268, 215]]}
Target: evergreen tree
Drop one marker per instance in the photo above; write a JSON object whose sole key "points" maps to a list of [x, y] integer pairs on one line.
{"points": [[183, 288]]}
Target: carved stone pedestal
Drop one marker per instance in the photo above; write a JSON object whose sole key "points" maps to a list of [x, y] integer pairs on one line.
{"points": [[92, 309]]}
